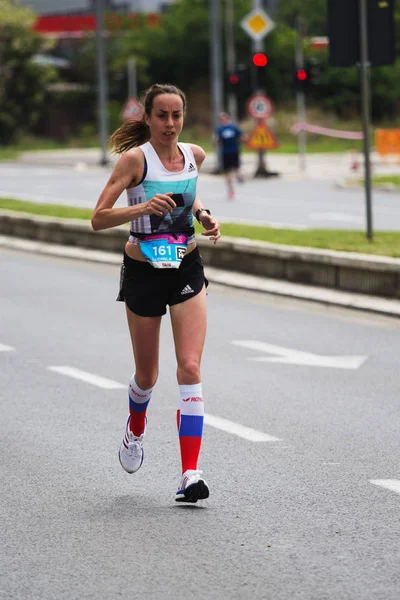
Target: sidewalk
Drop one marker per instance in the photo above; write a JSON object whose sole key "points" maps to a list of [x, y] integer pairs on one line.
{"points": [[336, 166]]}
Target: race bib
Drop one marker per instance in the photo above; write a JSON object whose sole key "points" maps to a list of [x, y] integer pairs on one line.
{"points": [[164, 250]]}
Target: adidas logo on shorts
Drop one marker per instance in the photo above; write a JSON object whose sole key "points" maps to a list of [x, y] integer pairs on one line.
{"points": [[187, 290], [191, 168]]}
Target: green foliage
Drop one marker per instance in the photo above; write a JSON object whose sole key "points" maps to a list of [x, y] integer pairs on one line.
{"points": [[312, 12], [178, 51], [339, 89], [22, 83]]}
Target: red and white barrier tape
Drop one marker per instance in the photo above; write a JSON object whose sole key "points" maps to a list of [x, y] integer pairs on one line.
{"points": [[346, 135]]}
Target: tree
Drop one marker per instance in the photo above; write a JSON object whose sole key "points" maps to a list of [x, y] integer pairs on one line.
{"points": [[22, 81]]}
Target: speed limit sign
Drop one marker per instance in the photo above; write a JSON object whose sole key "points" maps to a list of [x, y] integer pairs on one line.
{"points": [[259, 106]]}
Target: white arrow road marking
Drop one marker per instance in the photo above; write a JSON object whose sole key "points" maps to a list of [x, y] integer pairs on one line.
{"points": [[101, 382], [240, 430], [390, 484], [4, 348], [289, 356]]}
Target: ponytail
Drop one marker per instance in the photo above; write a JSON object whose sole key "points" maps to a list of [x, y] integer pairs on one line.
{"points": [[131, 134]]}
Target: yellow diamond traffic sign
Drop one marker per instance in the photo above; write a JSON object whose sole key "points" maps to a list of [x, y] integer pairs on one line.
{"points": [[257, 24]]}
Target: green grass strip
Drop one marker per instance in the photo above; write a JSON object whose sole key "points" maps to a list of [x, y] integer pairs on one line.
{"points": [[378, 179], [47, 210], [384, 243]]}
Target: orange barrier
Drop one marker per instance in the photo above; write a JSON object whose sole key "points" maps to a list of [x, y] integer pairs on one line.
{"points": [[387, 143]]}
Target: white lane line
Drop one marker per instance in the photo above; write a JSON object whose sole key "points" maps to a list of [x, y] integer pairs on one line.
{"points": [[240, 430], [223, 424], [390, 484], [102, 382], [4, 348]]}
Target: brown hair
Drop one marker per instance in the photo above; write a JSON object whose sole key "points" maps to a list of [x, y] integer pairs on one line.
{"points": [[135, 132]]}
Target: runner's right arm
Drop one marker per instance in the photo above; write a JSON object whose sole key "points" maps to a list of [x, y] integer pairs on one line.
{"points": [[127, 173]]}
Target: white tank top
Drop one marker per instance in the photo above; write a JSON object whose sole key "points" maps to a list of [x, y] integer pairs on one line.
{"points": [[158, 180]]}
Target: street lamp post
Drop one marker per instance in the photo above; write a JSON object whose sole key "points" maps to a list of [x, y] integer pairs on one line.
{"points": [[365, 98], [216, 66], [101, 81]]}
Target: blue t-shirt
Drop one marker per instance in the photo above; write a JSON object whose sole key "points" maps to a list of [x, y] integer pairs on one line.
{"points": [[229, 135]]}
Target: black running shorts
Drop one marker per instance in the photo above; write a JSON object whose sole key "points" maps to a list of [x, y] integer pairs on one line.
{"points": [[147, 291]]}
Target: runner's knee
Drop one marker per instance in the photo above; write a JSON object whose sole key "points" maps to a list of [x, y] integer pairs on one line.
{"points": [[189, 371], [146, 377]]}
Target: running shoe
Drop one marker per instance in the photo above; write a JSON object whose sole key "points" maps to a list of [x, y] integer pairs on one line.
{"points": [[192, 487], [131, 451]]}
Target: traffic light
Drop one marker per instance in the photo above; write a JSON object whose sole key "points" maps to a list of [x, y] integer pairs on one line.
{"points": [[260, 61], [301, 79], [238, 80], [233, 79], [233, 82], [313, 68]]}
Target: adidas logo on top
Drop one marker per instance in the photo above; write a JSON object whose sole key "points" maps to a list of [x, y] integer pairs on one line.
{"points": [[187, 290], [191, 168]]}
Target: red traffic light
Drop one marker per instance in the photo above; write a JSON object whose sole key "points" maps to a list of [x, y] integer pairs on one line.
{"points": [[233, 79], [302, 75], [260, 59]]}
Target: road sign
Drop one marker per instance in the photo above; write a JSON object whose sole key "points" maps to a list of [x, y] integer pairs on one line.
{"points": [[260, 106], [131, 110], [261, 138], [257, 24], [319, 42]]}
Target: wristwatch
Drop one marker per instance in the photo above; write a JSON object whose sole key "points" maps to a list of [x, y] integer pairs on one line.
{"points": [[200, 210]]}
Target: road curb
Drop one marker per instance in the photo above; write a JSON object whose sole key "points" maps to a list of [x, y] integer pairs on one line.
{"points": [[336, 271], [253, 283]]}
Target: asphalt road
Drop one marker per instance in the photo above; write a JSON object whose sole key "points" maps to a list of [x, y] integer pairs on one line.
{"points": [[310, 512], [283, 202]]}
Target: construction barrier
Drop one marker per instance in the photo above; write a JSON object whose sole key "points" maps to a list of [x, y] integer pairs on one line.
{"points": [[387, 144]]}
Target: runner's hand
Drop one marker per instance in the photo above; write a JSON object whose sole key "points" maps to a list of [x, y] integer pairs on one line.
{"points": [[160, 205], [211, 226]]}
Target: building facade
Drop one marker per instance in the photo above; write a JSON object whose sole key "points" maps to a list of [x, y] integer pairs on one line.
{"points": [[68, 7]]}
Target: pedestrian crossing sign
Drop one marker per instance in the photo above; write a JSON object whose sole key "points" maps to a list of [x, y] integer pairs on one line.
{"points": [[132, 109], [261, 138]]}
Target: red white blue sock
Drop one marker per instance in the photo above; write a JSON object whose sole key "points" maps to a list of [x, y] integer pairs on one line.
{"points": [[190, 420], [138, 402]]}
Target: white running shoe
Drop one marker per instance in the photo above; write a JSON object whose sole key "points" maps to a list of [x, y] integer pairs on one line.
{"points": [[131, 453], [192, 487]]}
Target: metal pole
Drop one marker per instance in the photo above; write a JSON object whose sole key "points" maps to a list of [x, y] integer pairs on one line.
{"points": [[101, 80], [132, 81], [216, 66], [230, 55], [365, 98], [300, 96], [216, 59], [258, 46]]}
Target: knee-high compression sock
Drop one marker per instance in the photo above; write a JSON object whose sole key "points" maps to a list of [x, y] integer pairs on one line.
{"points": [[190, 419], [138, 402]]}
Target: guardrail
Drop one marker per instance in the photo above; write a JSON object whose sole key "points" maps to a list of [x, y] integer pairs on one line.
{"points": [[351, 272]]}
